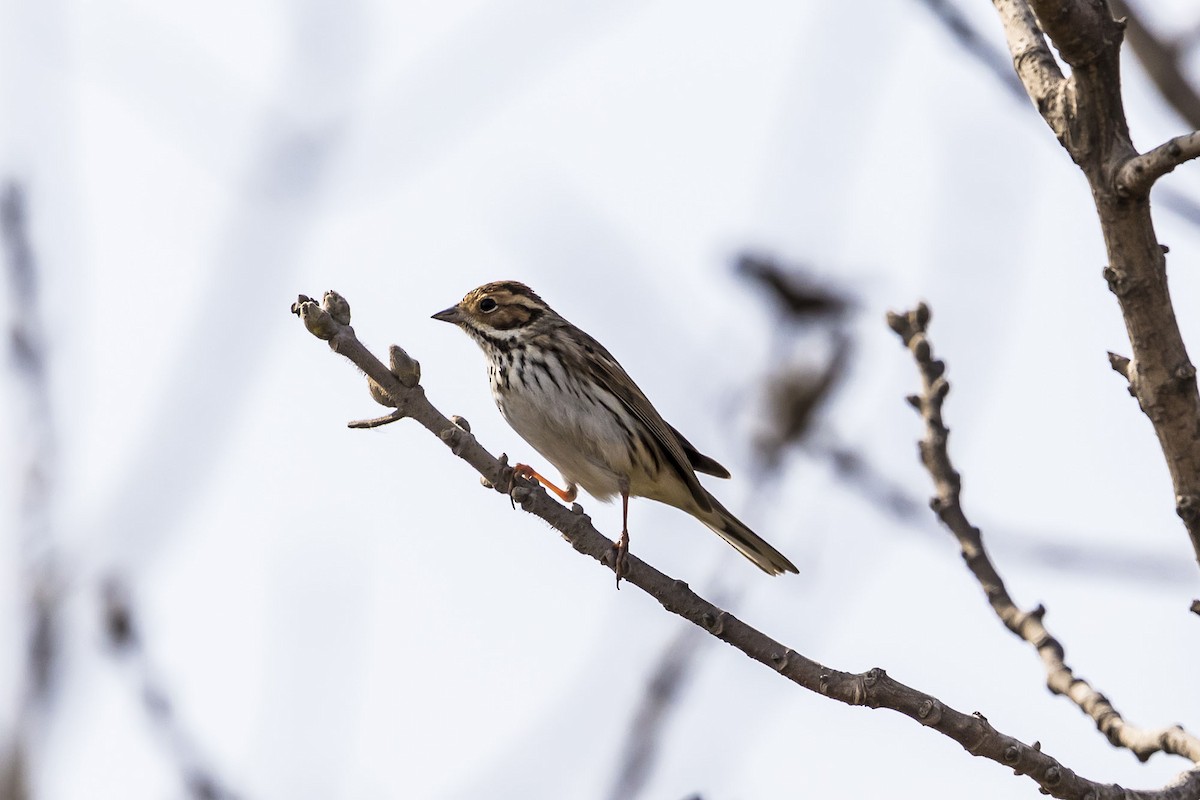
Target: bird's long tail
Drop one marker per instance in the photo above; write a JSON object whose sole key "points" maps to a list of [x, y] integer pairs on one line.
{"points": [[746, 541]]}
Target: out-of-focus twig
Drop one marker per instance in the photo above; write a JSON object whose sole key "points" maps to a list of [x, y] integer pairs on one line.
{"points": [[977, 46], [660, 698], [1161, 59], [121, 630], [1060, 679], [799, 296], [32, 423]]}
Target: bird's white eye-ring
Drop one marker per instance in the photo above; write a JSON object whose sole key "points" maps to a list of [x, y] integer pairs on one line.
{"points": [[487, 304]]}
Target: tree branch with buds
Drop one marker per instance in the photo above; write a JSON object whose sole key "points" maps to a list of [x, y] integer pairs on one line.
{"points": [[400, 386], [911, 327]]}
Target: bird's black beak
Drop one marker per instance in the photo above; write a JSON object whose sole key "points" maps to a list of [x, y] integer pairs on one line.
{"points": [[449, 315]]}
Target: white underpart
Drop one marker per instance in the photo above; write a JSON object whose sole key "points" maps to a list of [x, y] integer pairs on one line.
{"points": [[579, 437]]}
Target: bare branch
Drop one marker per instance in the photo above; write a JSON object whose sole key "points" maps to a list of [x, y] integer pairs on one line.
{"points": [[1082, 31], [911, 328], [1035, 64], [1138, 174], [1090, 122], [873, 689]]}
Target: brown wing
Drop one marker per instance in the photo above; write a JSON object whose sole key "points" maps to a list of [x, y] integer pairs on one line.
{"points": [[671, 445], [699, 461]]}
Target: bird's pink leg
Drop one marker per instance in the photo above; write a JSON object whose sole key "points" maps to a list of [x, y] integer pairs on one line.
{"points": [[621, 546], [568, 495]]}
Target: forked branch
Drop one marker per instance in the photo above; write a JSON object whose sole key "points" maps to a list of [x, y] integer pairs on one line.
{"points": [[330, 319], [911, 328], [1086, 112]]}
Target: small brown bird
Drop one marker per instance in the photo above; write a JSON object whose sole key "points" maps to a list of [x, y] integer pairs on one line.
{"points": [[570, 399]]}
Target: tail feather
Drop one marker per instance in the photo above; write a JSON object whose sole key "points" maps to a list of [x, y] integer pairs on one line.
{"points": [[746, 541]]}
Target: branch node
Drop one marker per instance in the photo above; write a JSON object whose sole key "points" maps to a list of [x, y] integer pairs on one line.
{"points": [[485, 483], [921, 316], [406, 368], [1117, 280], [1119, 364], [1185, 375], [520, 494], [920, 348], [914, 400], [456, 438], [460, 422], [337, 306], [1187, 506], [316, 319], [929, 712]]}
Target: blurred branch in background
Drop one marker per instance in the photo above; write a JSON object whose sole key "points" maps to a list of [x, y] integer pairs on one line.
{"points": [[123, 637], [42, 584], [32, 421], [996, 59], [1163, 61], [654, 712]]}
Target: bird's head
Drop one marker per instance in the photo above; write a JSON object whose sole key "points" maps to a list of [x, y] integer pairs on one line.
{"points": [[498, 310]]}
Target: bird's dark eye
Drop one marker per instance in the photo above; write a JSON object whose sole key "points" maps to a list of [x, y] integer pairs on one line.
{"points": [[487, 304]]}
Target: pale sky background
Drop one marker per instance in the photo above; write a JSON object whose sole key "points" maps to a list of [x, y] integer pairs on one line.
{"points": [[346, 614]]}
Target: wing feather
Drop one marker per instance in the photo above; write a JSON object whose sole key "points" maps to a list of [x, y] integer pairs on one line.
{"points": [[613, 377]]}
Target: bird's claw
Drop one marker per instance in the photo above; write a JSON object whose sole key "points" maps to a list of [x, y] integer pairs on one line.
{"points": [[621, 557]]}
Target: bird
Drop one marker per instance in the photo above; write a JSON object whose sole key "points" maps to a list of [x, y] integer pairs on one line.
{"points": [[568, 398]]}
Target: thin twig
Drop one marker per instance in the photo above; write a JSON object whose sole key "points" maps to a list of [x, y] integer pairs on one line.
{"points": [[376, 422], [911, 328], [1138, 174], [873, 689]]}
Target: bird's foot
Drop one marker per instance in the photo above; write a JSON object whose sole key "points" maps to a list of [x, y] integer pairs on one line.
{"points": [[621, 557], [567, 495]]}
